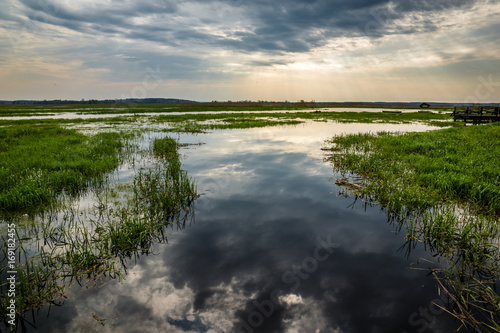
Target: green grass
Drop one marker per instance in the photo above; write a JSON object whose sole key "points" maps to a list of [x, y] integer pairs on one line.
{"points": [[163, 191], [444, 187], [118, 120], [37, 163], [426, 168]]}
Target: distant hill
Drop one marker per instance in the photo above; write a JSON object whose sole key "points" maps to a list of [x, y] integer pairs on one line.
{"points": [[104, 101]]}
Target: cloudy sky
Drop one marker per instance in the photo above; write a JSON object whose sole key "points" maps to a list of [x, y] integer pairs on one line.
{"points": [[323, 50]]}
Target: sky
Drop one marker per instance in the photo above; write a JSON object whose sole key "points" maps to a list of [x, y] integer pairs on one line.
{"points": [[321, 50]]}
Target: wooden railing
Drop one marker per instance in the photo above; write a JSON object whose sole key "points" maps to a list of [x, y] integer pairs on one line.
{"points": [[476, 114]]}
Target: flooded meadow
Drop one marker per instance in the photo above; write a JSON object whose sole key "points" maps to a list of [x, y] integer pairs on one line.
{"points": [[262, 238]]}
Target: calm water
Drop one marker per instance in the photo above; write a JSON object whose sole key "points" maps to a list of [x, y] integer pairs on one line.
{"points": [[272, 248]]}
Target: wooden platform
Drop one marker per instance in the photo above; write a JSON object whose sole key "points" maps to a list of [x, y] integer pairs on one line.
{"points": [[476, 114]]}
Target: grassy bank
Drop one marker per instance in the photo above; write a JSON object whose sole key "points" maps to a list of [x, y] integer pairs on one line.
{"points": [[444, 187], [38, 163]]}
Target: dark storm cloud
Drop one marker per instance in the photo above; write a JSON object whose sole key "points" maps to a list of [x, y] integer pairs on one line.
{"points": [[5, 15], [112, 19], [432, 5], [297, 26], [117, 11], [289, 26]]}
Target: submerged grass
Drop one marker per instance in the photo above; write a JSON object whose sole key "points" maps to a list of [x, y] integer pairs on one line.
{"points": [[444, 187], [191, 122], [204, 122], [229, 123], [438, 119]]}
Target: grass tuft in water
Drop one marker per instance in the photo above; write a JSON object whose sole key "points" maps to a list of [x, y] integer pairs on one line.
{"points": [[161, 194]]}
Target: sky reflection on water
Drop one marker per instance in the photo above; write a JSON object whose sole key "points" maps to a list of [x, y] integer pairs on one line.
{"points": [[268, 208]]}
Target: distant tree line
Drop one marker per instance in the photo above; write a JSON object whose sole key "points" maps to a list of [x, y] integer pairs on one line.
{"points": [[95, 101]]}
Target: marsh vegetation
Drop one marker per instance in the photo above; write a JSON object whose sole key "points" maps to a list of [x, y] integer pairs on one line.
{"points": [[440, 189], [48, 168]]}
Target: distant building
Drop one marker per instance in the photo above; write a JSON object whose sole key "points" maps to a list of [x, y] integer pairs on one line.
{"points": [[425, 105]]}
